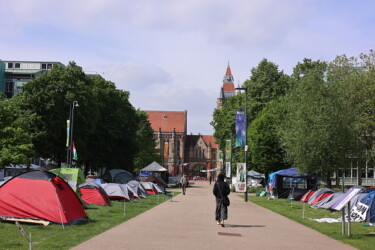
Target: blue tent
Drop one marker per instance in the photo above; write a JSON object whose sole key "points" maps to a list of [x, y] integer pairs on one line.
{"points": [[367, 205]]}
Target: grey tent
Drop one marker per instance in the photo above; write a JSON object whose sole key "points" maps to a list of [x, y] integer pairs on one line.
{"points": [[141, 191], [328, 202], [116, 191], [317, 193], [151, 188]]}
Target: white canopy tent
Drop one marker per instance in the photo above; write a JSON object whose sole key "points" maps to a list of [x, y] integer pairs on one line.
{"points": [[154, 167]]}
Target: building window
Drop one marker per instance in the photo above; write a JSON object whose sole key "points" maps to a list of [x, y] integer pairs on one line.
{"points": [[17, 65], [370, 173], [44, 66], [49, 66], [10, 65]]}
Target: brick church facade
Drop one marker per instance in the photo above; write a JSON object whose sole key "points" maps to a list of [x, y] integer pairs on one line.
{"points": [[183, 153]]}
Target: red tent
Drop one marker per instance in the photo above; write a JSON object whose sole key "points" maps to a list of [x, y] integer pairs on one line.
{"points": [[306, 197], [94, 194], [40, 196], [321, 197]]}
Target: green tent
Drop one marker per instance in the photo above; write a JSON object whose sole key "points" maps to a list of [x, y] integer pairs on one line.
{"points": [[73, 176]]}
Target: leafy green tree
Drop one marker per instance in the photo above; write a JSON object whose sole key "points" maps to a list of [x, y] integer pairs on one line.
{"points": [[50, 96], [317, 131], [115, 129], [146, 144], [266, 83], [15, 143], [356, 76], [265, 149]]}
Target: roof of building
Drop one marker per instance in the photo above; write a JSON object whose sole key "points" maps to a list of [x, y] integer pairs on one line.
{"points": [[229, 72], [166, 121], [191, 140], [229, 87], [210, 139]]}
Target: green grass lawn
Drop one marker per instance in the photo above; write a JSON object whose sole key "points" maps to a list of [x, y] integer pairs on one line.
{"points": [[54, 236], [362, 237]]}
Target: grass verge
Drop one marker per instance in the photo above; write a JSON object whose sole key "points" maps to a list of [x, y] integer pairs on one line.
{"points": [[362, 237], [54, 236]]}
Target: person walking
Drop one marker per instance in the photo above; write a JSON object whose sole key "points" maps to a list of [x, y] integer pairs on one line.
{"points": [[184, 183], [221, 191]]}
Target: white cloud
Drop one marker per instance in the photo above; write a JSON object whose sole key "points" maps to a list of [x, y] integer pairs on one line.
{"points": [[130, 76]]}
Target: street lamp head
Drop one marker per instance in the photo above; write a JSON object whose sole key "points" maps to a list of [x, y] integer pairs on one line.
{"points": [[75, 104]]}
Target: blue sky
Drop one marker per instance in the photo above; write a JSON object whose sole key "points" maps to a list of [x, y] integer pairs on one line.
{"points": [[172, 55]]}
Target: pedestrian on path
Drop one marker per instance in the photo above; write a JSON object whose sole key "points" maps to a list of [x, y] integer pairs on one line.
{"points": [[184, 183], [221, 191]]}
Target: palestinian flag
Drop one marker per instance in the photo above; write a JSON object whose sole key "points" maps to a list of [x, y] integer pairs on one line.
{"points": [[75, 155]]}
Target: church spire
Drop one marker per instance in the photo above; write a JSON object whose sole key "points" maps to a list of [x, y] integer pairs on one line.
{"points": [[228, 78]]}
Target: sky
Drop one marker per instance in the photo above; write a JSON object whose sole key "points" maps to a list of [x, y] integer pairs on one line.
{"points": [[171, 54]]}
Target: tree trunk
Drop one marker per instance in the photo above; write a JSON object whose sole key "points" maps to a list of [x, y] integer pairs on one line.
{"points": [[328, 180]]}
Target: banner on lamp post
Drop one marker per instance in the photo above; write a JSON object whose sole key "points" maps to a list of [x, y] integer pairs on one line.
{"points": [[67, 132], [228, 170], [228, 150], [240, 128], [241, 175]]}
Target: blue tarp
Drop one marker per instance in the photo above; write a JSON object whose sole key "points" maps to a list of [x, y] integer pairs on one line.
{"points": [[291, 172]]}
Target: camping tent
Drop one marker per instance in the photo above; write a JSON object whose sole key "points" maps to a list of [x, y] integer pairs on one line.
{"points": [[365, 209], [154, 179], [40, 196], [282, 181], [328, 201], [117, 176], [306, 196], [93, 194], [254, 178], [116, 191], [318, 193], [296, 194], [73, 176], [141, 191], [151, 188]]}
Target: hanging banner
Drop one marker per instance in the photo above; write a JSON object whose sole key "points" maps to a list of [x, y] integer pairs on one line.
{"points": [[221, 156], [228, 170], [166, 150], [240, 184], [67, 132], [228, 150], [240, 128]]}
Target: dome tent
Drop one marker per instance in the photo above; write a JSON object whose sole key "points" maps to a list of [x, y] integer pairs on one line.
{"points": [[117, 176], [40, 196]]}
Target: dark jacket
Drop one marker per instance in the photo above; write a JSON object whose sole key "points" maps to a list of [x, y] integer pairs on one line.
{"points": [[223, 187]]}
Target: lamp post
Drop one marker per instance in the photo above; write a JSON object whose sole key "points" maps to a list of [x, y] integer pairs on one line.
{"points": [[246, 147], [69, 153]]}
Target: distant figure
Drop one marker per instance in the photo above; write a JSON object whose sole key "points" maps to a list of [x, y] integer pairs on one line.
{"points": [[184, 183], [210, 179], [221, 191]]}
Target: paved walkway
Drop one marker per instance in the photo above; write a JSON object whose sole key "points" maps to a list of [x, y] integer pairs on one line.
{"points": [[188, 222]]}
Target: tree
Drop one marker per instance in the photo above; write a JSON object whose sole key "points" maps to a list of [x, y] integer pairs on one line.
{"points": [[317, 131], [146, 144], [356, 76], [265, 149], [49, 97], [15, 143], [266, 83]]}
